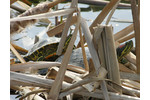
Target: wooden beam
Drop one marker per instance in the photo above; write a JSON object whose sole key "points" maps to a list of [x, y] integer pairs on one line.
{"points": [[136, 22]]}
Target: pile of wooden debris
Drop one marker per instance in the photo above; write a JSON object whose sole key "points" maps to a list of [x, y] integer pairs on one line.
{"points": [[103, 76]]}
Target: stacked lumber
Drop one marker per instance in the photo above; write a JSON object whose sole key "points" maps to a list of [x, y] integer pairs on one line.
{"points": [[102, 78]]}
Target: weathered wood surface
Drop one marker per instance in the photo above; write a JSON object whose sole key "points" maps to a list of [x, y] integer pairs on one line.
{"points": [[88, 38], [112, 66], [136, 22]]}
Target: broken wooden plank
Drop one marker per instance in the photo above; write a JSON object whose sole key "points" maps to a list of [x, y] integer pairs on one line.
{"points": [[112, 62], [88, 37]]}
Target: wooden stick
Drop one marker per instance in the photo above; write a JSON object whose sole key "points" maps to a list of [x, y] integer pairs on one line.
{"points": [[66, 28], [136, 84], [19, 48], [103, 14], [21, 10], [105, 91], [20, 79], [130, 76], [17, 54], [124, 68], [45, 15], [136, 22], [113, 67], [83, 51], [112, 12], [54, 92], [99, 19], [126, 38], [59, 28], [82, 82], [131, 57], [123, 32], [88, 37], [42, 64]]}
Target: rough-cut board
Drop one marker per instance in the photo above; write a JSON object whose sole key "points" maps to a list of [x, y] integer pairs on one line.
{"points": [[111, 56]]}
